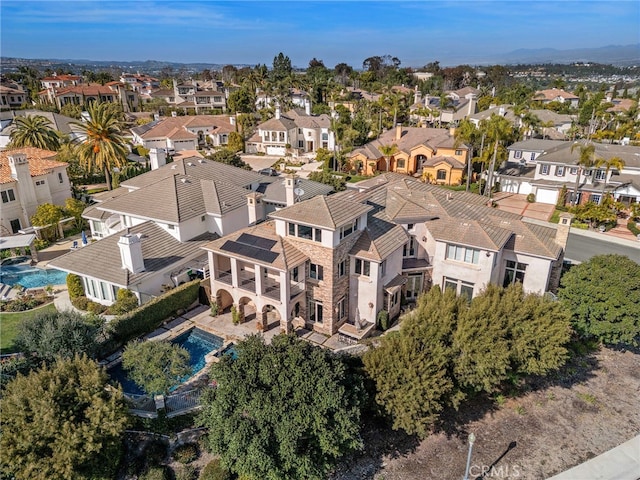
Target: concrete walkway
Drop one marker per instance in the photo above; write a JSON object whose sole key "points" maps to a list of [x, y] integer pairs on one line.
{"points": [[620, 463]]}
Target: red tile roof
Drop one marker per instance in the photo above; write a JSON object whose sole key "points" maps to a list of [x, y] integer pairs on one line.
{"points": [[41, 162]]}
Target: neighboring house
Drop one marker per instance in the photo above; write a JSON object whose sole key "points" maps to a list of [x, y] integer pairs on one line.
{"points": [[59, 81], [415, 148], [187, 132], [12, 96], [333, 263], [427, 109], [193, 97], [554, 126], [140, 83], [543, 167], [351, 97], [156, 222], [296, 131], [84, 94], [29, 177], [298, 98], [61, 123], [556, 95]]}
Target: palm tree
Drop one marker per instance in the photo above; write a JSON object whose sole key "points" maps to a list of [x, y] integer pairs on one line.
{"points": [[497, 129], [388, 151], [104, 147], [34, 131], [586, 159], [467, 134], [613, 162]]}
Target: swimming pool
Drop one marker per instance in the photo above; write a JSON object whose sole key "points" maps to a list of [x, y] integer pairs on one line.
{"points": [[197, 342], [31, 277]]}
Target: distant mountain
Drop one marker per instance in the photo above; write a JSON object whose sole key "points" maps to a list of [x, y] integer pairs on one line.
{"points": [[619, 55]]}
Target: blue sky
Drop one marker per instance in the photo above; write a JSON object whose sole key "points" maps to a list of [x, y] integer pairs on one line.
{"points": [[251, 32]]}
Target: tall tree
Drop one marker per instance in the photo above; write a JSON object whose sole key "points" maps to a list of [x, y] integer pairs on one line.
{"points": [[34, 131], [286, 410], [388, 151], [497, 129], [586, 159], [60, 422], [468, 134], [104, 146], [608, 163]]}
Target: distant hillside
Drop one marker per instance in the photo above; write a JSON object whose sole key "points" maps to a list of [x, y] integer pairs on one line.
{"points": [[619, 55]]}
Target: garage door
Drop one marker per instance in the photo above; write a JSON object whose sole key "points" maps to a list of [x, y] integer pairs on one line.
{"points": [[547, 196], [275, 150]]}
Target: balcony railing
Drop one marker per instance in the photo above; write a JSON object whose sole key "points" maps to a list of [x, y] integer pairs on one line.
{"points": [[295, 288]]}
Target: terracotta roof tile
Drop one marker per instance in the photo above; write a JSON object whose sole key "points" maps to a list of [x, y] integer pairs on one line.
{"points": [[41, 162]]}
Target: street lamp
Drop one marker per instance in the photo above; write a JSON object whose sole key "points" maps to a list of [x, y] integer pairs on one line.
{"points": [[472, 438]]}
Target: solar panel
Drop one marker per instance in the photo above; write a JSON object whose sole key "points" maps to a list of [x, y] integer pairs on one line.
{"points": [[253, 240], [250, 251]]}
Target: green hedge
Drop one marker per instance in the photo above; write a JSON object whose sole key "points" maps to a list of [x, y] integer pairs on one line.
{"points": [[150, 316], [633, 228]]}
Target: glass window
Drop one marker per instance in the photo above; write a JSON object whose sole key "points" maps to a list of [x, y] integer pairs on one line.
{"points": [[409, 249], [315, 311], [316, 271], [458, 152], [463, 254], [383, 268], [294, 274], [401, 163], [342, 268], [7, 196], [533, 156], [363, 267], [517, 154], [544, 169], [317, 234], [514, 272], [601, 174], [461, 287], [560, 171], [441, 175], [304, 231], [292, 229], [342, 308]]}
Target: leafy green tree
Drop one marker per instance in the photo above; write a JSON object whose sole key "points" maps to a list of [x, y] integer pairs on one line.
{"points": [[104, 146], [586, 160], [54, 335], [603, 295], [62, 422], [236, 142], [230, 157], [497, 129], [242, 101], [609, 163], [48, 215], [74, 286], [287, 410], [34, 131], [156, 366], [412, 368], [75, 207], [72, 110], [594, 214], [328, 178]]}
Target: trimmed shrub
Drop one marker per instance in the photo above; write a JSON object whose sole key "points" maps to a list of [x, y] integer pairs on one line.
{"points": [[186, 453], [214, 471], [633, 228], [81, 303], [185, 472], [74, 286], [150, 316], [215, 309], [155, 473], [126, 301], [531, 198], [383, 320], [96, 308]]}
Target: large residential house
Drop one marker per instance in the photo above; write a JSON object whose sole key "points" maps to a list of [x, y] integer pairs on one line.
{"points": [[29, 177], [431, 152], [83, 94], [351, 97], [296, 131], [427, 110], [543, 167], [192, 97], [140, 83], [556, 95], [12, 95], [149, 230], [297, 97], [552, 125], [60, 81], [333, 263], [178, 133]]}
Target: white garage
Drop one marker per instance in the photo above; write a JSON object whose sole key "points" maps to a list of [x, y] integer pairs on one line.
{"points": [[547, 195]]}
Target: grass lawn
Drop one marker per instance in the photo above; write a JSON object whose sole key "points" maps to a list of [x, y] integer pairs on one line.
{"points": [[9, 322]]}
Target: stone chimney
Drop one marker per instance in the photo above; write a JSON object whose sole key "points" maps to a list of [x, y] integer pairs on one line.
{"points": [[19, 165], [564, 226], [255, 206], [131, 253], [398, 131], [158, 158], [307, 107], [452, 131], [289, 187], [232, 119], [277, 112]]}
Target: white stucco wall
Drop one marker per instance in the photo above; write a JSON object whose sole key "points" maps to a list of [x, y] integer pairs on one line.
{"points": [[479, 275]]}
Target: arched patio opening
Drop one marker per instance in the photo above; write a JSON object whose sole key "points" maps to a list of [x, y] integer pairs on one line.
{"points": [[224, 300]]}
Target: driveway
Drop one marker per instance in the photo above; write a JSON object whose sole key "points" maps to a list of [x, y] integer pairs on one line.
{"points": [[517, 203]]}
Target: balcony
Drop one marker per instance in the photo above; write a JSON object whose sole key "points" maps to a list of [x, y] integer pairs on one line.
{"points": [[271, 289], [415, 264], [296, 288], [247, 281], [224, 277]]}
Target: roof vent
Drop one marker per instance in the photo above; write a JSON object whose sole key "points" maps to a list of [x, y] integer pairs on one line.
{"points": [[173, 167], [190, 164], [201, 161], [184, 180]]}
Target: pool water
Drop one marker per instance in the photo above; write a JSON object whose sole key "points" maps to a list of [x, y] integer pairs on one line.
{"points": [[197, 342], [31, 277]]}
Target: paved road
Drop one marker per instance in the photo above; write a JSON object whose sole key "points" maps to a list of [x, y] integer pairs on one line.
{"points": [[581, 248]]}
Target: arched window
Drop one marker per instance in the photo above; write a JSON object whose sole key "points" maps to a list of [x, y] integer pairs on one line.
{"points": [[420, 159]]}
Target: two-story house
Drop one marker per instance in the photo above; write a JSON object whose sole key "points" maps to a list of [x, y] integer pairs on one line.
{"points": [[461, 104], [422, 151], [29, 177], [556, 95], [149, 230], [544, 167], [191, 97], [83, 94], [332, 264], [296, 131], [12, 96], [188, 132], [550, 125]]}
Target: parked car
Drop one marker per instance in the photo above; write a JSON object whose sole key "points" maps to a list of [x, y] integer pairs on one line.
{"points": [[271, 172]]}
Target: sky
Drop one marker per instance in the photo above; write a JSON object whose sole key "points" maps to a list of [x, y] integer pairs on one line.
{"points": [[251, 32]]}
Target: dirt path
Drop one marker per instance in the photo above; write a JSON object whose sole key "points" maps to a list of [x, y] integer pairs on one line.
{"points": [[593, 406]]}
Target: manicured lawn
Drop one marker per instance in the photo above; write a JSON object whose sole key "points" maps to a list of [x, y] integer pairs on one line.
{"points": [[9, 325]]}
